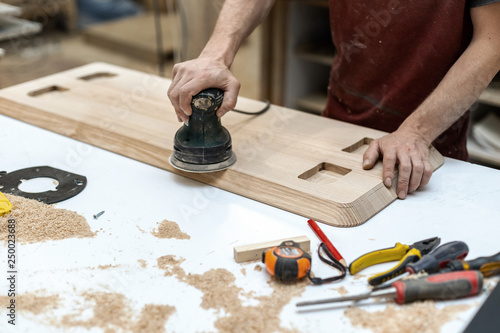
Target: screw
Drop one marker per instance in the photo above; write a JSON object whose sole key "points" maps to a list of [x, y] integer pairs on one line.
{"points": [[96, 216]]}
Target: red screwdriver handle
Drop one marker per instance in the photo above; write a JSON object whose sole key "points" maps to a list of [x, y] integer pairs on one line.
{"points": [[439, 287]]}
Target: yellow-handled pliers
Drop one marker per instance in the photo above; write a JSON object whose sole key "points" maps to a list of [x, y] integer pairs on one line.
{"points": [[404, 253]]}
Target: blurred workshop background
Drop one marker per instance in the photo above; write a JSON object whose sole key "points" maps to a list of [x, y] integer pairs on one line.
{"points": [[286, 60]]}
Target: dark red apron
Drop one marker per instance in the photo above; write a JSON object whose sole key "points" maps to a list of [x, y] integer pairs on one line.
{"points": [[391, 55]]}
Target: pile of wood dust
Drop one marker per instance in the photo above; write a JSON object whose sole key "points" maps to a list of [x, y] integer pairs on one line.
{"points": [[39, 222], [421, 317], [169, 229], [112, 313], [220, 293], [33, 302]]}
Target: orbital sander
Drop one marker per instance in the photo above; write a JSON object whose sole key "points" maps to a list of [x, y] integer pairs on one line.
{"points": [[203, 144]]}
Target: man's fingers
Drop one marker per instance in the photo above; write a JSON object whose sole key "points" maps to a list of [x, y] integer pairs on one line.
{"points": [[405, 169], [230, 98], [417, 170], [389, 164], [427, 173], [371, 155]]}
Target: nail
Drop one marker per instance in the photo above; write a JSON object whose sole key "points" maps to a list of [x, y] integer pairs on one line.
{"points": [[366, 162], [96, 216], [402, 195], [388, 182]]}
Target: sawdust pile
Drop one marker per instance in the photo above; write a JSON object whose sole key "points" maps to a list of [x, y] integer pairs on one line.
{"points": [[153, 318], [171, 266], [33, 303], [421, 317], [341, 290], [169, 229], [112, 313], [220, 293], [39, 222]]}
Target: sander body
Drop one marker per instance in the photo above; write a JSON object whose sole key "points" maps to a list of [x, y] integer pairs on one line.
{"points": [[203, 144]]}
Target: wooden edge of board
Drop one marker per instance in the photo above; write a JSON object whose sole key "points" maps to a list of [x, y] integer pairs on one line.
{"points": [[254, 251]]}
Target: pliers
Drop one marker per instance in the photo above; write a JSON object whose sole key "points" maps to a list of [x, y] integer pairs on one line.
{"points": [[404, 253]]}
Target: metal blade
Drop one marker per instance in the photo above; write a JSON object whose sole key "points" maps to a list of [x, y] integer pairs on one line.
{"points": [[390, 292]]}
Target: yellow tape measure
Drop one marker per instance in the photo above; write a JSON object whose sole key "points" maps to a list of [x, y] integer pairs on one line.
{"points": [[5, 205]]}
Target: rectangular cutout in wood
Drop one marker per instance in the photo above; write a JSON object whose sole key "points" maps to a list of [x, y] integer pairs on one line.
{"points": [[96, 76], [359, 147], [325, 173], [46, 90]]}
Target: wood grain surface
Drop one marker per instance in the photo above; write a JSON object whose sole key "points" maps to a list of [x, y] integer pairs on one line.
{"points": [[302, 163]]}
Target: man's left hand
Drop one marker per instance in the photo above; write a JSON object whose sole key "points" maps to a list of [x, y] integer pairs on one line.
{"points": [[409, 153]]}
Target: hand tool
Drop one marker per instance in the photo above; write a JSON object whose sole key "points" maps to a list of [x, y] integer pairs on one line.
{"points": [[489, 266], [314, 226], [69, 184], [5, 205], [406, 254], [434, 287], [287, 262], [439, 258], [203, 144]]}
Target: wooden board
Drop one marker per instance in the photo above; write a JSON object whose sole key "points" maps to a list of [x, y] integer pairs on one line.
{"points": [[302, 163]]}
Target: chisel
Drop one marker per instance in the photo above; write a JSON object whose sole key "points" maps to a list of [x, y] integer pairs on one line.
{"points": [[434, 287]]}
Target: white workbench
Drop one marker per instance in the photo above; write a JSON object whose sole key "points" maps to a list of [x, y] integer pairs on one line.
{"points": [[462, 202]]}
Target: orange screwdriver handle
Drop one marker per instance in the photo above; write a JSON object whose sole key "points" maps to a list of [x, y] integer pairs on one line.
{"points": [[439, 286]]}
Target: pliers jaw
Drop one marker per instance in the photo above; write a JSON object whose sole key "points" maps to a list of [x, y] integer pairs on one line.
{"points": [[427, 245]]}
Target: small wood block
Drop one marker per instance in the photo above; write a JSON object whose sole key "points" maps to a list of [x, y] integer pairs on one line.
{"points": [[252, 252]]}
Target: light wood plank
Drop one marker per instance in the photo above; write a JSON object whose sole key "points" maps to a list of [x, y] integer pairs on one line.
{"points": [[129, 113], [252, 252]]}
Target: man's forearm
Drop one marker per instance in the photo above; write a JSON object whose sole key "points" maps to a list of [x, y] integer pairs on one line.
{"points": [[238, 18], [458, 90]]}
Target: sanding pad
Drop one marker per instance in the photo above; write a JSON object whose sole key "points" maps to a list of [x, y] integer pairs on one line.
{"points": [[201, 168]]}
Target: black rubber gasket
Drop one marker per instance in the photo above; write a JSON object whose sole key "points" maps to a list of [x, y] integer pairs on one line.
{"points": [[70, 184]]}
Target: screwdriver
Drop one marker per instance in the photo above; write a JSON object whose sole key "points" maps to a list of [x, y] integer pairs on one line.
{"points": [[489, 266], [444, 286], [439, 258]]}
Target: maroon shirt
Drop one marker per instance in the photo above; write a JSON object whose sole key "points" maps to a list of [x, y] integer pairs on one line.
{"points": [[391, 54]]}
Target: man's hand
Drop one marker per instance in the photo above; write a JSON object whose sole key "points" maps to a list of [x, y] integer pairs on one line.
{"points": [[411, 155], [193, 76]]}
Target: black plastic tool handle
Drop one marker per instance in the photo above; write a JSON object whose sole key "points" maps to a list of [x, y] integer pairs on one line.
{"points": [[476, 264], [439, 287], [439, 258]]}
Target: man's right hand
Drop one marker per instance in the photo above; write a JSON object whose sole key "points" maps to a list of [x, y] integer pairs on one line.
{"points": [[192, 76]]}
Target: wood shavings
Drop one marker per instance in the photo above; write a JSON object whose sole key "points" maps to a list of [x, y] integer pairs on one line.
{"points": [[221, 293], [244, 271], [39, 222], [153, 318], [33, 302], [421, 317], [171, 266], [112, 313], [258, 268], [341, 290], [169, 229], [107, 266], [142, 262]]}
